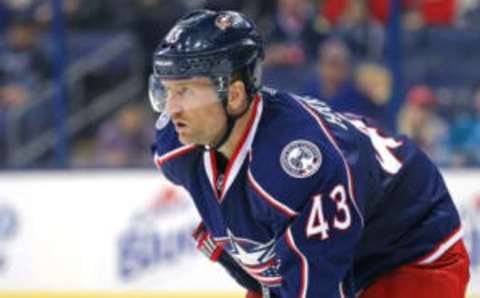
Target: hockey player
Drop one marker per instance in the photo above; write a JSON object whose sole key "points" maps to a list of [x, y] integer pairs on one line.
{"points": [[297, 200]]}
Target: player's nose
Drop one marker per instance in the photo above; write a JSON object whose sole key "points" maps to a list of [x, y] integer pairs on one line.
{"points": [[173, 105]]}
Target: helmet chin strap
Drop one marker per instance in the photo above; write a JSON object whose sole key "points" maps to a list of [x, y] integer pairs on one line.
{"points": [[226, 135], [231, 120]]}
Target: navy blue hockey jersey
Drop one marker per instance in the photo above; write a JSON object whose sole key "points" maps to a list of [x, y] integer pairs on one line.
{"points": [[314, 203]]}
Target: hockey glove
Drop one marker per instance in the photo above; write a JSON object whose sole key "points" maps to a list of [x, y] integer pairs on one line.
{"points": [[207, 245]]}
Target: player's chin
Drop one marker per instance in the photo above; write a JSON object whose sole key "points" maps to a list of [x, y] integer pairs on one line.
{"points": [[187, 139]]}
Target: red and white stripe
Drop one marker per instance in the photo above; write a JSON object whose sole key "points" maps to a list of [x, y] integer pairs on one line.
{"points": [[160, 160], [332, 140], [235, 163], [302, 293], [271, 281], [256, 271], [441, 248], [341, 291], [210, 162], [259, 268], [287, 211]]}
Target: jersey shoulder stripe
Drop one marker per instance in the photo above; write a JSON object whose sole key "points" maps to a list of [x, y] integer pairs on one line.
{"points": [[276, 204], [161, 159]]}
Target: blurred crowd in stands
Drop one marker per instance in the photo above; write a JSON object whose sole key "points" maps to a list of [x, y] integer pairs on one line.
{"points": [[334, 50]]}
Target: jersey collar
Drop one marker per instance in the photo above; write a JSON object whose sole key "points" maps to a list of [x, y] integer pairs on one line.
{"points": [[239, 154]]}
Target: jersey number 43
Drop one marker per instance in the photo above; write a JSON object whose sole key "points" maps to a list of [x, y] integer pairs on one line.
{"points": [[318, 225]]}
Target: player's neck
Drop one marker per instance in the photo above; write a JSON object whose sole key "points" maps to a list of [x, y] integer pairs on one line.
{"points": [[236, 135]]}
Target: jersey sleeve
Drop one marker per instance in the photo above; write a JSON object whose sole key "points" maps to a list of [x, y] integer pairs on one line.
{"points": [[176, 161], [319, 221], [316, 249]]}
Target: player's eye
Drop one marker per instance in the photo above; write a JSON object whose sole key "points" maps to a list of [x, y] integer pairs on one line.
{"points": [[177, 92], [185, 91]]}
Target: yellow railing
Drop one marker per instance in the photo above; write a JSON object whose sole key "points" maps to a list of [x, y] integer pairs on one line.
{"points": [[4, 294], [127, 294]]}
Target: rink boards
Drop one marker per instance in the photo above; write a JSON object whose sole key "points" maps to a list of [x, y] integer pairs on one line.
{"points": [[127, 234]]}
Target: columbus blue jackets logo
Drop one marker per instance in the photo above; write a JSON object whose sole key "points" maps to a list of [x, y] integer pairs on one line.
{"points": [[258, 259], [224, 21], [301, 159]]}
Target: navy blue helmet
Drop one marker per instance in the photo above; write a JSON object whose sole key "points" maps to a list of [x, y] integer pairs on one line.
{"points": [[211, 44]]}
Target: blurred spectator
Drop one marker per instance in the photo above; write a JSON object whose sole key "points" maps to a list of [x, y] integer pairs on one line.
{"points": [[4, 15], [21, 60], [20, 8], [151, 20], [380, 9], [87, 15], [419, 121], [236, 5], [438, 12], [375, 83], [261, 11], [124, 141], [364, 34], [417, 13], [334, 70], [461, 132], [474, 142], [469, 13], [295, 35], [465, 135], [334, 82], [23, 69], [294, 31], [333, 10]]}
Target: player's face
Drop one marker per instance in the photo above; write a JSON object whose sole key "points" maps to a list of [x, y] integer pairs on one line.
{"points": [[195, 110]]}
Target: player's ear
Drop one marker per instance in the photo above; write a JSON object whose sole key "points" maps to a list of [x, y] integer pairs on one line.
{"points": [[237, 97]]}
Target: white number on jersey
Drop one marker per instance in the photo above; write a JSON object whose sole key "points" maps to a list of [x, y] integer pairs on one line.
{"points": [[317, 225], [382, 146], [339, 196], [316, 221]]}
